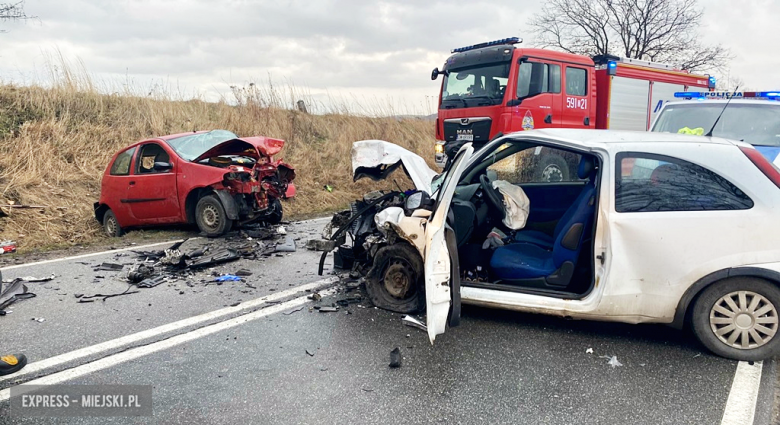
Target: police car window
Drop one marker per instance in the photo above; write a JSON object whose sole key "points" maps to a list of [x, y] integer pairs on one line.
{"points": [[576, 81], [650, 183], [121, 166], [537, 165]]}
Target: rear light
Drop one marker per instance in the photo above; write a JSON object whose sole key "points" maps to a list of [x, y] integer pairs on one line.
{"points": [[761, 162]]}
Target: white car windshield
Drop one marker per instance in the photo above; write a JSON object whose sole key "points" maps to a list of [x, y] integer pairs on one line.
{"points": [[754, 123]]}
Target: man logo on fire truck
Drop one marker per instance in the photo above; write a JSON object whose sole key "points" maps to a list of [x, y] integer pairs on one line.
{"points": [[494, 88]]}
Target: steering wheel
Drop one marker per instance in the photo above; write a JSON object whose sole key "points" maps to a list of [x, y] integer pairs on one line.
{"points": [[493, 196]]}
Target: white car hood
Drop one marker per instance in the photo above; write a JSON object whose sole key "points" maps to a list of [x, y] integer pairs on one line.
{"points": [[376, 159]]}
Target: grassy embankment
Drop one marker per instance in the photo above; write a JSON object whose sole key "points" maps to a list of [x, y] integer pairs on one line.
{"points": [[55, 144]]}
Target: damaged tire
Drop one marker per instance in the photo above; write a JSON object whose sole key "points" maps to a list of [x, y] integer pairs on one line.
{"points": [[111, 225], [395, 281], [211, 218]]}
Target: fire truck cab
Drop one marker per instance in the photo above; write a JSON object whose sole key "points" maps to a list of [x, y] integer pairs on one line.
{"points": [[495, 88]]}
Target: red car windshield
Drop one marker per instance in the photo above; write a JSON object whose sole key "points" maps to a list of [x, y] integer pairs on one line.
{"points": [[191, 146]]}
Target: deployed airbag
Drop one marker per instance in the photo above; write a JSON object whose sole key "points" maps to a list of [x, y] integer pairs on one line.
{"points": [[516, 203]]}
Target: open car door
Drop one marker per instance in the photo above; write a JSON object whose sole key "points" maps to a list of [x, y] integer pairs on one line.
{"points": [[440, 297]]}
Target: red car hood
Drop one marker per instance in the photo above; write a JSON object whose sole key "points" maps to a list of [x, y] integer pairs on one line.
{"points": [[253, 147]]}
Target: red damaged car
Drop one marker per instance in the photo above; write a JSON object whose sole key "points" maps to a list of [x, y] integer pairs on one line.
{"points": [[211, 178]]}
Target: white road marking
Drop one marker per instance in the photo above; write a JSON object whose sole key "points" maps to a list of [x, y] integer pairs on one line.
{"points": [[741, 404], [145, 350], [93, 254], [174, 326]]}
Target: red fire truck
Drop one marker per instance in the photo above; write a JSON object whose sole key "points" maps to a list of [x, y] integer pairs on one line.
{"points": [[495, 88]]}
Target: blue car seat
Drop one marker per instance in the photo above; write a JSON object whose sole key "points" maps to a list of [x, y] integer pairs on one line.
{"points": [[527, 261]]}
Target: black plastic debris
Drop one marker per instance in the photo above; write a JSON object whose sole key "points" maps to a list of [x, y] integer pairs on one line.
{"points": [[328, 309], [173, 257], [140, 272], [395, 358], [109, 267], [212, 259], [243, 273], [151, 282], [93, 298], [14, 292], [310, 353]]}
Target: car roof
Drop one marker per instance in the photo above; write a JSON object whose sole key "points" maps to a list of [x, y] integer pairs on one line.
{"points": [[603, 138], [723, 101]]}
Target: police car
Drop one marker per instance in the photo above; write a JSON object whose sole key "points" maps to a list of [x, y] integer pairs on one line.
{"points": [[752, 117]]}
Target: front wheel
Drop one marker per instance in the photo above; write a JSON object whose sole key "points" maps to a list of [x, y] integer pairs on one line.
{"points": [[395, 280], [111, 225], [737, 318], [211, 218]]}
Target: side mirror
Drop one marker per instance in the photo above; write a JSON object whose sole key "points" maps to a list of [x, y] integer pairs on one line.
{"points": [[418, 200], [163, 166], [537, 79], [435, 73]]}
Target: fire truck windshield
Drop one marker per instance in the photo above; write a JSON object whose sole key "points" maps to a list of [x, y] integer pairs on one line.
{"points": [[757, 123], [482, 85]]}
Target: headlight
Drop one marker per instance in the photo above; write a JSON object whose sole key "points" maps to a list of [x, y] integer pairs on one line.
{"points": [[439, 147], [414, 201]]}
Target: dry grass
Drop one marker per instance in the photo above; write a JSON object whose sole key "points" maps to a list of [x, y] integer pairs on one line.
{"points": [[55, 144]]}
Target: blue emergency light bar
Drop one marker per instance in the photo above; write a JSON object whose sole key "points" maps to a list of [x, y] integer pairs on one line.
{"points": [[771, 95], [510, 40]]}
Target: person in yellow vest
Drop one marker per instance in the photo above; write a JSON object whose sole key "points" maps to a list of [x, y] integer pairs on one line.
{"points": [[12, 363]]}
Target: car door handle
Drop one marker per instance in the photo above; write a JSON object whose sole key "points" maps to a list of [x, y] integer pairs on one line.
{"points": [[548, 119], [132, 183]]}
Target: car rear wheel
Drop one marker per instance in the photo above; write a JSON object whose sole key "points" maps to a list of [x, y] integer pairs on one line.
{"points": [[210, 216], [111, 225], [737, 318]]}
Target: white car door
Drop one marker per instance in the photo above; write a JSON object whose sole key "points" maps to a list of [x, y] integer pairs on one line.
{"points": [[438, 294]]}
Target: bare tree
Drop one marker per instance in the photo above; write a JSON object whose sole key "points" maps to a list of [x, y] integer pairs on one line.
{"points": [[13, 12], [654, 30]]}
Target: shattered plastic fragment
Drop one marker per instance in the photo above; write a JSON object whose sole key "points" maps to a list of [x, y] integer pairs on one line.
{"points": [[243, 273], [15, 291], [39, 319], [589, 351], [37, 279], [109, 267], [227, 278], [287, 246], [327, 309], [281, 230], [7, 247], [413, 322], [151, 282], [613, 361], [395, 358]]}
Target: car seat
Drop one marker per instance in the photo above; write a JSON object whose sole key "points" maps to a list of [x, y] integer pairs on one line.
{"points": [[523, 262]]}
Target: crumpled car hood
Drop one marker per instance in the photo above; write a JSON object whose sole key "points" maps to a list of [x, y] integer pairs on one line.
{"points": [[253, 147], [376, 159]]}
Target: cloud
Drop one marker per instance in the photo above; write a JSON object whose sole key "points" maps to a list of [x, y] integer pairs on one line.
{"points": [[374, 49]]}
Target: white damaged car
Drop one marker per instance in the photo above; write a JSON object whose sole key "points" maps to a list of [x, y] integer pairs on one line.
{"points": [[653, 228]]}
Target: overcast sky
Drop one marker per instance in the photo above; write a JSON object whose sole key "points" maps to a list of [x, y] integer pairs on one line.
{"points": [[370, 52]]}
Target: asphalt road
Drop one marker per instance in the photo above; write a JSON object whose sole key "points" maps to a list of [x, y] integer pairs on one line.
{"points": [[282, 361]]}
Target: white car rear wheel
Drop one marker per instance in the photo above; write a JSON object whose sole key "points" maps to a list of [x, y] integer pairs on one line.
{"points": [[738, 318]]}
